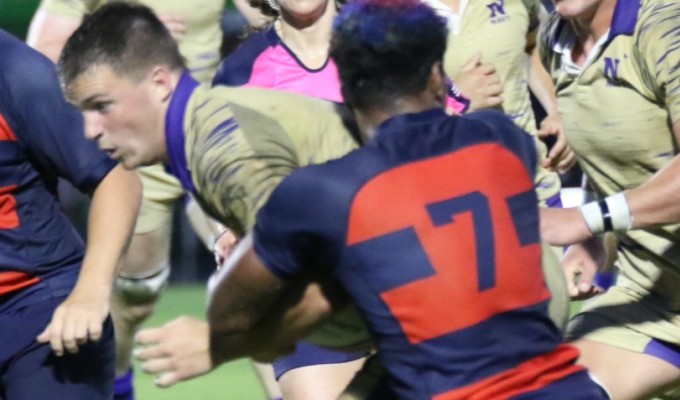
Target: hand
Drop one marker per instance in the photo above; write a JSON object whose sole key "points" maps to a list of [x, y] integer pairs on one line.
{"points": [[563, 226], [580, 263], [175, 352], [76, 321], [175, 24], [224, 246], [560, 157], [480, 83]]}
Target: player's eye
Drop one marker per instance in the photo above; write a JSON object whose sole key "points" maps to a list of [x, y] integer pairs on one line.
{"points": [[101, 106]]}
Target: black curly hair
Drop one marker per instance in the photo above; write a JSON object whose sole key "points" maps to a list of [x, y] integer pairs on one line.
{"points": [[385, 49]]}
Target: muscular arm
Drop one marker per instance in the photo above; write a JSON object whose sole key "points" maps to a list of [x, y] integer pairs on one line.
{"points": [[560, 156], [254, 312], [48, 33], [114, 208]]}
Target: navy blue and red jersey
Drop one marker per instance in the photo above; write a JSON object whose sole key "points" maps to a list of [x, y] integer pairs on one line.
{"points": [[41, 139], [432, 228]]}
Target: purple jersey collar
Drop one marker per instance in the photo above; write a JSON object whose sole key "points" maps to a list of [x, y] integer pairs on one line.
{"points": [[174, 130]]}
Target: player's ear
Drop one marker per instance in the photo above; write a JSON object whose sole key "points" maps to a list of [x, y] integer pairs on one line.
{"points": [[437, 82], [162, 81]]}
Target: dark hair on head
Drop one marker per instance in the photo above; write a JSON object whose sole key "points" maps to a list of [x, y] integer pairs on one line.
{"points": [[385, 49], [126, 36]]}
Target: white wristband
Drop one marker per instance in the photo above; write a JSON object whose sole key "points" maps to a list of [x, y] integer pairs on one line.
{"points": [[619, 211], [592, 214]]}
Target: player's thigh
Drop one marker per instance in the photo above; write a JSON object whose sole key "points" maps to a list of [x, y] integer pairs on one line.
{"points": [[627, 374], [150, 244], [315, 373], [627, 343], [558, 308], [36, 373]]}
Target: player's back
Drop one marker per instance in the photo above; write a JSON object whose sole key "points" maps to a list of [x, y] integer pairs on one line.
{"points": [[241, 142], [439, 249]]}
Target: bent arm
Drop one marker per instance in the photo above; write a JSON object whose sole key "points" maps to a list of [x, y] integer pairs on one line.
{"points": [[253, 312], [115, 204]]}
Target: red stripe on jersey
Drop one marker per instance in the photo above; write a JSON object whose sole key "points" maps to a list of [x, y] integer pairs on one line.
{"points": [[537, 373], [12, 281], [398, 199], [6, 133], [9, 219]]}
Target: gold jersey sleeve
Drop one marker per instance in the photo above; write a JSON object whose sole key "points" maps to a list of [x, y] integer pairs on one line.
{"points": [[199, 45], [241, 142], [659, 52]]}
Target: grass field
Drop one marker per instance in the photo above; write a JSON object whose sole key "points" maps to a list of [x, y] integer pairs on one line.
{"points": [[232, 381]]}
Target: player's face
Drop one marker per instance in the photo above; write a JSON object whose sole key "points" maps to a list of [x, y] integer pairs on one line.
{"points": [[573, 9], [125, 117]]}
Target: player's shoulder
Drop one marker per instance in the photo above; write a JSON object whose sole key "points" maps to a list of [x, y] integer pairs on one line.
{"points": [[491, 126], [235, 68], [21, 64], [274, 102], [657, 22], [25, 74], [490, 122]]}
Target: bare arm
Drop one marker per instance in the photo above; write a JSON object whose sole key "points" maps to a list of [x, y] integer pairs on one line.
{"points": [[244, 292], [655, 202], [48, 33], [251, 313], [114, 208], [560, 157]]}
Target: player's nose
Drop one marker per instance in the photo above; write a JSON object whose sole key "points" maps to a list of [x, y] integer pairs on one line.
{"points": [[93, 125]]}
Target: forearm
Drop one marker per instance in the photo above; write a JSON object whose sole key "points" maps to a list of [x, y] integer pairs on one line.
{"points": [[48, 33], [113, 212], [541, 84], [302, 309]]}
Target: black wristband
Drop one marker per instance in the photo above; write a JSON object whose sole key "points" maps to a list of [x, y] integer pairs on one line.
{"points": [[606, 217]]}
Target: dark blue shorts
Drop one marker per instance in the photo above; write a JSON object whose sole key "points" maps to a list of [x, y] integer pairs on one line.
{"points": [[307, 354], [29, 370]]}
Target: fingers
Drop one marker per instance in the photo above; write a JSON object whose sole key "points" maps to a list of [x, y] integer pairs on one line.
{"points": [[472, 62], [149, 336], [167, 379], [163, 367], [66, 333], [174, 24]]}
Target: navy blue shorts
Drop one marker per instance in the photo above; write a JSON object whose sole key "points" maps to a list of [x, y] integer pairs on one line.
{"points": [[307, 354], [29, 370]]}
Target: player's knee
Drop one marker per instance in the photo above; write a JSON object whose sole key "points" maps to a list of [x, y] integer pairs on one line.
{"points": [[141, 293]]}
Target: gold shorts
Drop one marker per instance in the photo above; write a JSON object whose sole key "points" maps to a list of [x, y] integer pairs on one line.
{"points": [[161, 191]]}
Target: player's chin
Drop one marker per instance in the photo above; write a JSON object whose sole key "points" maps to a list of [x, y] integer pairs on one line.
{"points": [[130, 163]]}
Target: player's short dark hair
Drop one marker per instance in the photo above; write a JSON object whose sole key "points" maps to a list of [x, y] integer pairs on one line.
{"points": [[124, 35], [385, 49]]}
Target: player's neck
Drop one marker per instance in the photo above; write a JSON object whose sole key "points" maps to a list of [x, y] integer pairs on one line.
{"points": [[308, 38], [370, 119], [591, 26]]}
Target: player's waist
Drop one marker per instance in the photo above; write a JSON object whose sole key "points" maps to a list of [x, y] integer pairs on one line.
{"points": [[535, 374], [13, 281]]}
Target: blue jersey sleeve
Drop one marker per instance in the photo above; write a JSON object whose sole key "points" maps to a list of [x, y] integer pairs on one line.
{"points": [[296, 232], [48, 127]]}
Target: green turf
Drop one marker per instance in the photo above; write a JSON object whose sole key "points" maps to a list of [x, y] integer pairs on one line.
{"points": [[232, 381]]}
